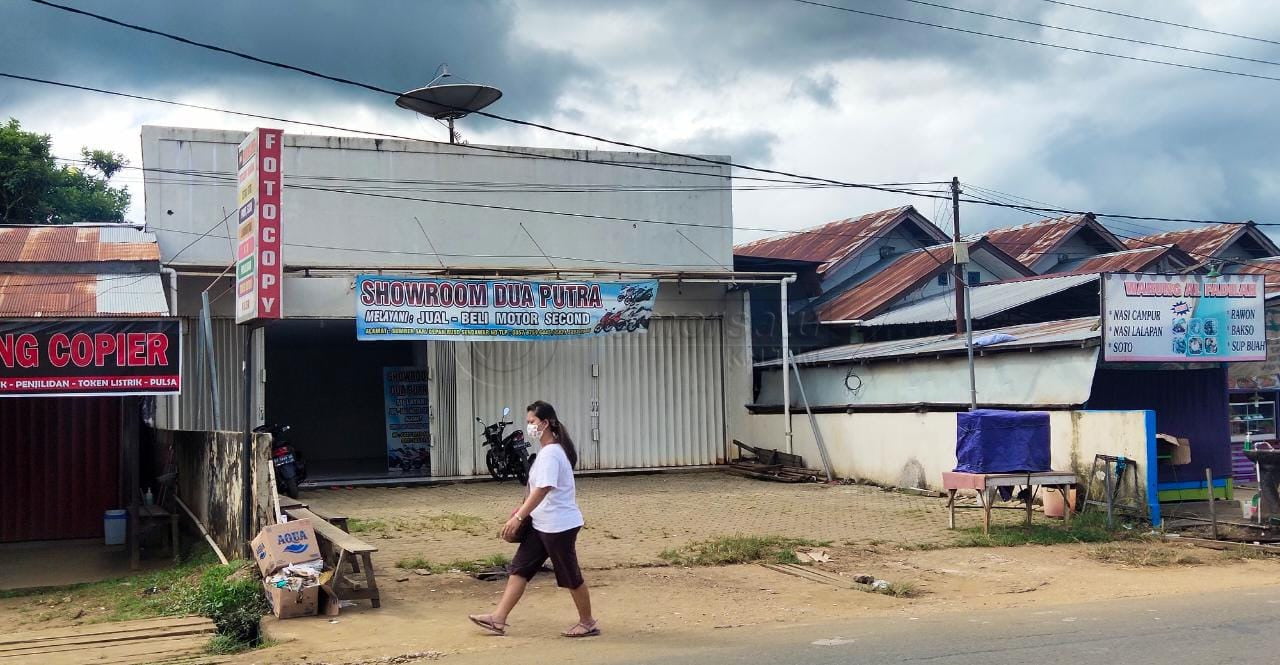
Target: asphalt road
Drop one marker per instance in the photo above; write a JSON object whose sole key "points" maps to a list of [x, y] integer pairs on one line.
{"points": [[1236, 628]]}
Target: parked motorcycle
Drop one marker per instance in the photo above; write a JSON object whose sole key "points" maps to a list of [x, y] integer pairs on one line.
{"points": [[508, 456], [290, 467]]}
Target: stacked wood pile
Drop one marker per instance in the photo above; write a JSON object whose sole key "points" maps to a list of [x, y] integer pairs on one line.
{"points": [[774, 465]]}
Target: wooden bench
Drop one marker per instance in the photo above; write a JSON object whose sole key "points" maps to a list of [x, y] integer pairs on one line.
{"points": [[345, 554]]}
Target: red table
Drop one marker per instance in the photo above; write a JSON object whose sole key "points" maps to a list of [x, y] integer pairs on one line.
{"points": [[986, 485]]}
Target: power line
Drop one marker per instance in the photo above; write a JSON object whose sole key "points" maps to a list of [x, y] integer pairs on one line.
{"points": [[1032, 42], [1092, 34], [527, 154], [487, 114], [908, 192], [1156, 20]]}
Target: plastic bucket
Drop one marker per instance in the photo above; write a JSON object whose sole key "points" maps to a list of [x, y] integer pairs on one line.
{"points": [[114, 526], [1053, 502]]}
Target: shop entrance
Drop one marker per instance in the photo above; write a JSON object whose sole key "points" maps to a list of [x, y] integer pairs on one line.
{"points": [[333, 391]]}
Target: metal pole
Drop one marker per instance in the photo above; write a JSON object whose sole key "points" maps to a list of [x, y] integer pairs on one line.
{"points": [[786, 372], [206, 325], [964, 315], [1213, 511], [813, 422], [968, 332], [957, 271], [451, 134], [246, 453]]}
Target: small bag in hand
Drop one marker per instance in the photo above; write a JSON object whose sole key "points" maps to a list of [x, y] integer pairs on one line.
{"points": [[522, 531]]}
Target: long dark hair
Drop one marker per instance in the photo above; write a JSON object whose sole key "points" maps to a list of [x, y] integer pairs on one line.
{"points": [[544, 411]]}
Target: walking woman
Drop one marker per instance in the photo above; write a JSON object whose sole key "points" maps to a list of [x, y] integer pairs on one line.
{"points": [[553, 508]]}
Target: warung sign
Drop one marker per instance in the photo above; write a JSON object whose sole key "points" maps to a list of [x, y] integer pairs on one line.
{"points": [[498, 310], [1183, 318]]}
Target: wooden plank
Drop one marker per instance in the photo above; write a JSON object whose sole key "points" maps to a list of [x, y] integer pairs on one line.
{"points": [[106, 629], [133, 651], [339, 538], [104, 639]]}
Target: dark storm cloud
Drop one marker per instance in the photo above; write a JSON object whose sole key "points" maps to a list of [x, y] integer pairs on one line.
{"points": [[391, 44]]}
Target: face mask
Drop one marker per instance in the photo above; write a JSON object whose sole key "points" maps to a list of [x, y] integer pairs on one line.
{"points": [[532, 432]]}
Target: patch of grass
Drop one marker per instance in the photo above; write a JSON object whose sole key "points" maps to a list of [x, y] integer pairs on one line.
{"points": [[414, 563], [923, 547], [457, 522], [357, 525], [900, 590], [465, 566], [728, 550], [232, 596], [1144, 556], [1243, 554], [1087, 528]]}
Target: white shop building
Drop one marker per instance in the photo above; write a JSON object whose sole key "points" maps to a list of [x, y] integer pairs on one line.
{"points": [[670, 396]]}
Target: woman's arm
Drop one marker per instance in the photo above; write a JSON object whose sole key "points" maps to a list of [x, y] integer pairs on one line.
{"points": [[536, 495]]}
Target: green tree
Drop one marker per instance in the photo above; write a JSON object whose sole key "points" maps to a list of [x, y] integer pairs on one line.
{"points": [[34, 189]]}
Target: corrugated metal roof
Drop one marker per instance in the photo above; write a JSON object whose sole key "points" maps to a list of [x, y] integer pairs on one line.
{"points": [[82, 295], [903, 275], [907, 273], [986, 300], [76, 244], [1269, 268], [1207, 242], [1133, 260], [835, 241], [1031, 242], [1069, 332]]}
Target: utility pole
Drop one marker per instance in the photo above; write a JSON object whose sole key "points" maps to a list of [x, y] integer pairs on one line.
{"points": [[957, 267], [964, 320]]}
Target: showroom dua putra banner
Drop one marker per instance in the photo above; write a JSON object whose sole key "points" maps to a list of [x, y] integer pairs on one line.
{"points": [[413, 308]]}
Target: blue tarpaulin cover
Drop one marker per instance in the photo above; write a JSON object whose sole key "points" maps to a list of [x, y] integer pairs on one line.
{"points": [[993, 441]]}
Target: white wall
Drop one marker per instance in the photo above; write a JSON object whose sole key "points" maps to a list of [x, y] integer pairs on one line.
{"points": [[1076, 248], [914, 449], [382, 232]]}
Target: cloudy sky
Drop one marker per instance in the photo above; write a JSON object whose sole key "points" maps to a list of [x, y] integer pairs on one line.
{"points": [[774, 83]]}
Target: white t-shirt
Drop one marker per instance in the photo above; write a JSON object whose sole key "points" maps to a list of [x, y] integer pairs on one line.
{"points": [[559, 509]]}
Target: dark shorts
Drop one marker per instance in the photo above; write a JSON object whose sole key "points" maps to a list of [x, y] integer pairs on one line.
{"points": [[561, 548]]}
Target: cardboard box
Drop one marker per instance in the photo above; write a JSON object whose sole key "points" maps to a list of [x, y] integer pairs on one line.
{"points": [[280, 545], [287, 603], [1180, 449]]}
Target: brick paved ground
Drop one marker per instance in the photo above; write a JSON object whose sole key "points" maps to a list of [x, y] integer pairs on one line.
{"points": [[632, 519]]}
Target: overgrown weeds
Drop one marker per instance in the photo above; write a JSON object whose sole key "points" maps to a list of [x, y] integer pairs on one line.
{"points": [[1085, 528], [1145, 555], [900, 590], [727, 550], [463, 566]]}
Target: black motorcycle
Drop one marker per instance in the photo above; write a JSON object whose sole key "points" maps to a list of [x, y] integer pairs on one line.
{"points": [[508, 456], [290, 468]]}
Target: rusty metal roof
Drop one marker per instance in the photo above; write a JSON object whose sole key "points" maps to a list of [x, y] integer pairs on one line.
{"points": [[114, 295], [1208, 242], [1028, 243], [832, 243], [1133, 260], [76, 244], [908, 272], [1069, 332], [904, 275], [1269, 268]]}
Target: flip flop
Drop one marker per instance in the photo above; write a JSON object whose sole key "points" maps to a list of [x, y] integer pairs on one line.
{"points": [[487, 623], [588, 631]]}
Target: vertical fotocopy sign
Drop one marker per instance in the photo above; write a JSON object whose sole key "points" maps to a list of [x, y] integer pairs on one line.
{"points": [[258, 264]]}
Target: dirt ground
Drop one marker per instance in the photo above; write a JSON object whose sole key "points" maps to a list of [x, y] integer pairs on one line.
{"points": [[647, 610], [632, 519]]}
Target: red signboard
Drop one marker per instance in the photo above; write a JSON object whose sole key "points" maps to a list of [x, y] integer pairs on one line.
{"points": [[90, 357], [259, 268]]}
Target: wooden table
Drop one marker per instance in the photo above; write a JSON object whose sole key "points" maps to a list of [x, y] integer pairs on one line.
{"points": [[986, 485]]}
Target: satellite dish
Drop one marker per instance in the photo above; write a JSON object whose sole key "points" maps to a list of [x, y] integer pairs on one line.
{"points": [[444, 100]]}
